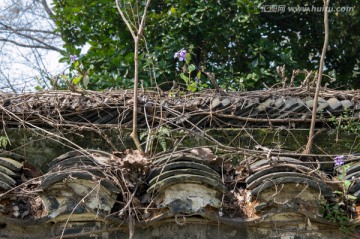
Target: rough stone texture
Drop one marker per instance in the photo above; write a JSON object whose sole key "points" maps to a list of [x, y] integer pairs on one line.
{"points": [[179, 228]]}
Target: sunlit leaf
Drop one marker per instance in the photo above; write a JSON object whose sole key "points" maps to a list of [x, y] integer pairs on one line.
{"points": [[173, 10], [76, 80], [192, 87], [347, 183]]}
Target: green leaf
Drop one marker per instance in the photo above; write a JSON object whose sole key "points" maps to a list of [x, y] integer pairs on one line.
{"points": [[192, 87], [217, 40], [64, 60], [163, 144], [351, 197], [4, 141], [191, 68], [173, 10], [76, 80], [255, 63], [347, 183], [164, 131], [346, 167], [188, 58], [185, 78], [38, 88]]}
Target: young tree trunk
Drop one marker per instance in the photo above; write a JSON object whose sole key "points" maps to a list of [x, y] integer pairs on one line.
{"points": [[309, 144], [136, 37], [136, 79]]}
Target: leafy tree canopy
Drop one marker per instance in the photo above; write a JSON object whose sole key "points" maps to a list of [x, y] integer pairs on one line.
{"points": [[241, 42]]}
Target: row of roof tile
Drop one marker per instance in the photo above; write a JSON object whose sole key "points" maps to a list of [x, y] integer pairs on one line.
{"points": [[235, 108]]}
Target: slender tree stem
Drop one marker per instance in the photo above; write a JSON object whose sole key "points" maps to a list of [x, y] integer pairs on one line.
{"points": [[137, 37], [321, 66], [136, 78]]}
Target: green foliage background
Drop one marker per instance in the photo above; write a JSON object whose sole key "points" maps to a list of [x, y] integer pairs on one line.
{"points": [[236, 40]]}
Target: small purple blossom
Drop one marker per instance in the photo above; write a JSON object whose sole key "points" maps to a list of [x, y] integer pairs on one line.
{"points": [[73, 58], [339, 160], [181, 55]]}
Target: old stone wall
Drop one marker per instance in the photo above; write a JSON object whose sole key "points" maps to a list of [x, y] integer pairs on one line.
{"points": [[217, 166], [291, 210]]}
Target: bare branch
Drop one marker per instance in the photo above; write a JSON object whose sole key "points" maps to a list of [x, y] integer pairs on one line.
{"points": [[46, 46], [8, 81], [125, 20], [143, 19], [26, 35], [48, 10], [30, 30]]}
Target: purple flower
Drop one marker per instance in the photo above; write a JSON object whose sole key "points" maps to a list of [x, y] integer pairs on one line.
{"points": [[73, 58], [339, 160], [181, 55]]}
